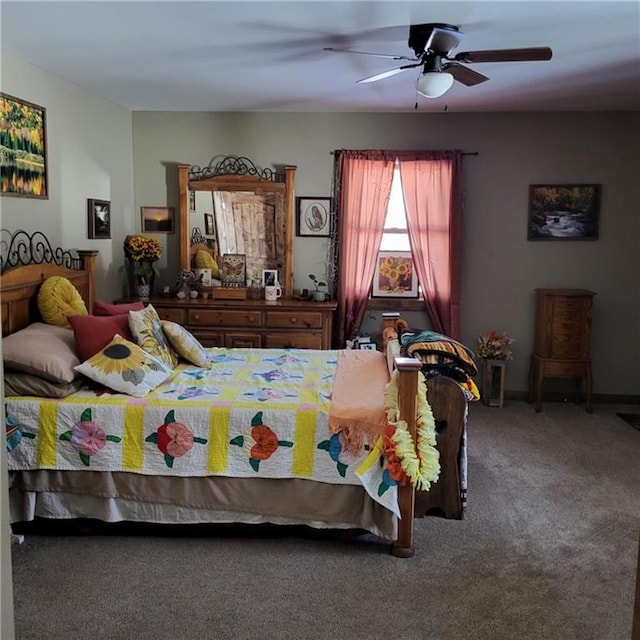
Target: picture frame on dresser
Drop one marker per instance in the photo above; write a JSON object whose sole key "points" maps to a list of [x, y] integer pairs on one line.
{"points": [[563, 212]]}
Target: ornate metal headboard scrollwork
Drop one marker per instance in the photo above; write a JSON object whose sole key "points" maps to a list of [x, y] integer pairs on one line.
{"points": [[21, 248]]}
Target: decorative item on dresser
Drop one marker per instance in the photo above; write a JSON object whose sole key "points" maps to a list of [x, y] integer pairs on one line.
{"points": [[252, 323], [562, 346]]}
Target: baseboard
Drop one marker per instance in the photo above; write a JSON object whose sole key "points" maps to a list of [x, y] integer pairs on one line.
{"points": [[556, 396]]}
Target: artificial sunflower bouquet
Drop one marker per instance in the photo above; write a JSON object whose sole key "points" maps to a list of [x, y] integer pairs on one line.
{"points": [[143, 251], [494, 346]]}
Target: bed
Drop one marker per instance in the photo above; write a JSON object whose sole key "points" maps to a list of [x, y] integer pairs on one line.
{"points": [[329, 478]]}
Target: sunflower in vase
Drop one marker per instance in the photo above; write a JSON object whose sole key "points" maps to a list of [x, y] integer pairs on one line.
{"points": [[141, 252]]}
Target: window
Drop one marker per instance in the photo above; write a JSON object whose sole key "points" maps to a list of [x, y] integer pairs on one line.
{"points": [[396, 234]]}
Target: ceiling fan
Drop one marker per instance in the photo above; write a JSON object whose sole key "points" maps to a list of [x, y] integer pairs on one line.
{"points": [[432, 44]]}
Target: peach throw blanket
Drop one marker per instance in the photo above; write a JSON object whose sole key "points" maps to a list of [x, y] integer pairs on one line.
{"points": [[357, 401]]}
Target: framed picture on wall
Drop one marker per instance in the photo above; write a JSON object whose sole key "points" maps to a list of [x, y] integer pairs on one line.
{"points": [[23, 161], [395, 276], [157, 219], [563, 212], [313, 216], [98, 219], [192, 201]]}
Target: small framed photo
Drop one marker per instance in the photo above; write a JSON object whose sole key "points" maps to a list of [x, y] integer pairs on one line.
{"points": [[208, 224], [269, 277], [192, 201], [563, 212], [98, 219], [157, 219], [233, 269], [395, 276], [313, 216], [370, 346]]}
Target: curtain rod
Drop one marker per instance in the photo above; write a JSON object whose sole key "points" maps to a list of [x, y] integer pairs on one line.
{"points": [[464, 153]]}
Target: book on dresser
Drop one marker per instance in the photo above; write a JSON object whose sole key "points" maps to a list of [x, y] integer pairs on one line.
{"points": [[258, 324]]}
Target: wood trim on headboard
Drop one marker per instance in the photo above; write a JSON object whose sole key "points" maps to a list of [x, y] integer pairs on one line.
{"points": [[19, 289]]}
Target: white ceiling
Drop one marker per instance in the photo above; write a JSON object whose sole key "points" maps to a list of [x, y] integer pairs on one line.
{"points": [[268, 56]]}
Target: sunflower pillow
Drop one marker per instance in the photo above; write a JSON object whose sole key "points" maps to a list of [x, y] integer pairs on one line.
{"points": [[185, 343], [124, 367], [147, 331]]}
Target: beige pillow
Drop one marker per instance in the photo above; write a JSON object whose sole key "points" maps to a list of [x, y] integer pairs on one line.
{"points": [[185, 343], [146, 329], [58, 299], [42, 350], [123, 366], [18, 383]]}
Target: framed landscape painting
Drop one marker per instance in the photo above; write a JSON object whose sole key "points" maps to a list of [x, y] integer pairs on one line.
{"points": [[157, 219], [563, 212], [23, 149], [99, 219]]}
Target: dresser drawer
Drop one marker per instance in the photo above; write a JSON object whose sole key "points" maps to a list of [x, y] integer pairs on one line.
{"points": [[293, 340], [557, 369], [294, 319], [173, 315], [222, 318]]}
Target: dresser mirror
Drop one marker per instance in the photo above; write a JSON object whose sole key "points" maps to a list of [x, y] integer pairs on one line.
{"points": [[243, 210]]}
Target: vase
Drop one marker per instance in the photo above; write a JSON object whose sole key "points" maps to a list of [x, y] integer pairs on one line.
{"points": [[140, 286]]}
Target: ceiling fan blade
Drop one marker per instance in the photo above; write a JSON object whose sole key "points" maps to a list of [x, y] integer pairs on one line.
{"points": [[505, 55], [388, 74], [366, 53], [463, 74]]}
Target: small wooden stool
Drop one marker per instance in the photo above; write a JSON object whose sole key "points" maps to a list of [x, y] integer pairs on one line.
{"points": [[493, 382]]}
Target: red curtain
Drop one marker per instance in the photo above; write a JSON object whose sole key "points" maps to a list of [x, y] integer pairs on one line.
{"points": [[364, 190], [432, 190]]}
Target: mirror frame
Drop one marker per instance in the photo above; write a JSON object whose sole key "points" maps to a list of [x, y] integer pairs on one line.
{"points": [[238, 174]]}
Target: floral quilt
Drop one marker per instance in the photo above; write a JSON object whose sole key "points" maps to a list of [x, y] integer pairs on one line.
{"points": [[251, 413]]}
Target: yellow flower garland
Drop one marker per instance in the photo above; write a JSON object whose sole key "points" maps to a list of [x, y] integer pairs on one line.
{"points": [[422, 467]]}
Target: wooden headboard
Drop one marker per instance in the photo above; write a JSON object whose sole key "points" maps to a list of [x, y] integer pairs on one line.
{"points": [[27, 261]]}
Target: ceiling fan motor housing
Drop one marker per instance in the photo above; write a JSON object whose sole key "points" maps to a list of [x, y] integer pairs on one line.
{"points": [[436, 37]]}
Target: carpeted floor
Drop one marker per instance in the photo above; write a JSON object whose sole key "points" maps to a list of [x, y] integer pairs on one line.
{"points": [[548, 551]]}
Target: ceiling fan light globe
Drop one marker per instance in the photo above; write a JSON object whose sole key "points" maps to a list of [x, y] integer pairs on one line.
{"points": [[433, 84]]}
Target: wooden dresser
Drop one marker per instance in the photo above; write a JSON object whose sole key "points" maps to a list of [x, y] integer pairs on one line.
{"points": [[252, 323], [562, 346]]}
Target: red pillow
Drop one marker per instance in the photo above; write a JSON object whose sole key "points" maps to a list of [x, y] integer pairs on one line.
{"points": [[104, 309], [93, 333]]}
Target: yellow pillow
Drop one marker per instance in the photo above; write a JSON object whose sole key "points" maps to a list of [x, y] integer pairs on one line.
{"points": [[146, 329], [58, 299], [204, 260], [185, 343]]}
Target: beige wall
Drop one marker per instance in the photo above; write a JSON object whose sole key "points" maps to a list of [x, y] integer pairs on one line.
{"points": [[90, 151], [97, 149], [500, 268]]}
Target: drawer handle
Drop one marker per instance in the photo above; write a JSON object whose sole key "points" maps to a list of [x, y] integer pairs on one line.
{"points": [[250, 319], [294, 320], [196, 316]]}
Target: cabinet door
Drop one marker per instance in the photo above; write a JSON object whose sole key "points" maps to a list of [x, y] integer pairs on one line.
{"points": [[242, 340]]}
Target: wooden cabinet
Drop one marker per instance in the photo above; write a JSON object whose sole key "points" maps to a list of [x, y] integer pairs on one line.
{"points": [[252, 323], [562, 347]]}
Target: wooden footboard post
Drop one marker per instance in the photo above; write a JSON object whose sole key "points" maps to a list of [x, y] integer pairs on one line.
{"points": [[407, 395]]}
